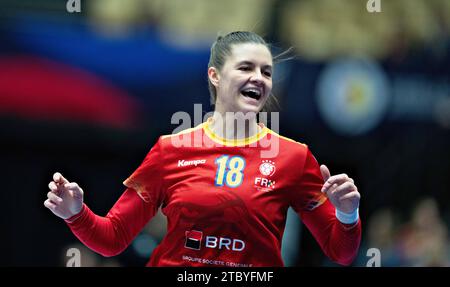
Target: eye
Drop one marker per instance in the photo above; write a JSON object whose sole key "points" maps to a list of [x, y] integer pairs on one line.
{"points": [[267, 73], [244, 68]]}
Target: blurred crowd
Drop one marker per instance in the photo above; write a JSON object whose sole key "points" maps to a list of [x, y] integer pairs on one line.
{"points": [[419, 240]]}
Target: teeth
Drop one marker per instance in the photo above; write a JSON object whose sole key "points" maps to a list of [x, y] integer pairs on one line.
{"points": [[256, 91]]}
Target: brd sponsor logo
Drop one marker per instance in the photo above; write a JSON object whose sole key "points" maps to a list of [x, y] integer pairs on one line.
{"points": [[194, 240]]}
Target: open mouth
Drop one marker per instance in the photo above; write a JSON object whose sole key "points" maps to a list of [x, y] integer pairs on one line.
{"points": [[252, 93]]}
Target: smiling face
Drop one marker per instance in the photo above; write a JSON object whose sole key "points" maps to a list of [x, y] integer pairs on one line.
{"points": [[245, 81]]}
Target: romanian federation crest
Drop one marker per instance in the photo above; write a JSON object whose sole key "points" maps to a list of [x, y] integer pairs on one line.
{"points": [[267, 168]]}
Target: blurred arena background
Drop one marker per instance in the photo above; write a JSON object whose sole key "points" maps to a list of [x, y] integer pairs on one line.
{"points": [[88, 93]]}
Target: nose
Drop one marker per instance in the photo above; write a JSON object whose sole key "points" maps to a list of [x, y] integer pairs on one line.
{"points": [[257, 77]]}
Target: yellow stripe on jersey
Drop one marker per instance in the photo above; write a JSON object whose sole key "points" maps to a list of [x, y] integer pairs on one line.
{"points": [[233, 142], [313, 204], [288, 139]]}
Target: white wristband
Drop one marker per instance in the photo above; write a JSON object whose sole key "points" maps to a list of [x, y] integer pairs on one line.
{"points": [[347, 218]]}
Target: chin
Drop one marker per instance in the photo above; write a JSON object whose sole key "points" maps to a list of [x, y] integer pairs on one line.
{"points": [[246, 107], [249, 109]]}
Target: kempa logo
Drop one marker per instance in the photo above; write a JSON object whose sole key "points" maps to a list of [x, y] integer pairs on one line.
{"points": [[191, 162], [194, 241]]}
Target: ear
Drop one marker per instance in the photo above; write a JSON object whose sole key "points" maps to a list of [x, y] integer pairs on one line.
{"points": [[213, 76]]}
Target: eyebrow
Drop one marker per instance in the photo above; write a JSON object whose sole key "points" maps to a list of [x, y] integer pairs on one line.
{"points": [[252, 64]]}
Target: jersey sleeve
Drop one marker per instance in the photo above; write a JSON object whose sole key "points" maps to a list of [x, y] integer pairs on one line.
{"points": [[340, 242], [148, 178], [111, 234], [307, 194]]}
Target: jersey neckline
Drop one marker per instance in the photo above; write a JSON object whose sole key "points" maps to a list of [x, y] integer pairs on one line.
{"points": [[233, 142]]}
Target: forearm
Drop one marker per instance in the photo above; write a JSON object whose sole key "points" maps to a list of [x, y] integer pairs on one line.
{"points": [[339, 241], [344, 241], [98, 233], [110, 235]]}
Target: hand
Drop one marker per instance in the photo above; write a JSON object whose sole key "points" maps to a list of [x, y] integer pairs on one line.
{"points": [[340, 190], [65, 199]]}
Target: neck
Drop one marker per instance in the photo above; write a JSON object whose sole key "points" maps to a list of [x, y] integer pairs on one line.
{"points": [[234, 126]]}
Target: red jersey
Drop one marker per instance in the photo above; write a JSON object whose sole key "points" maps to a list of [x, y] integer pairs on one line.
{"points": [[226, 202]]}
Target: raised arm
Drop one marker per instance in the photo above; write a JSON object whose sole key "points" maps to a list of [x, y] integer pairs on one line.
{"points": [[328, 206], [107, 235]]}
